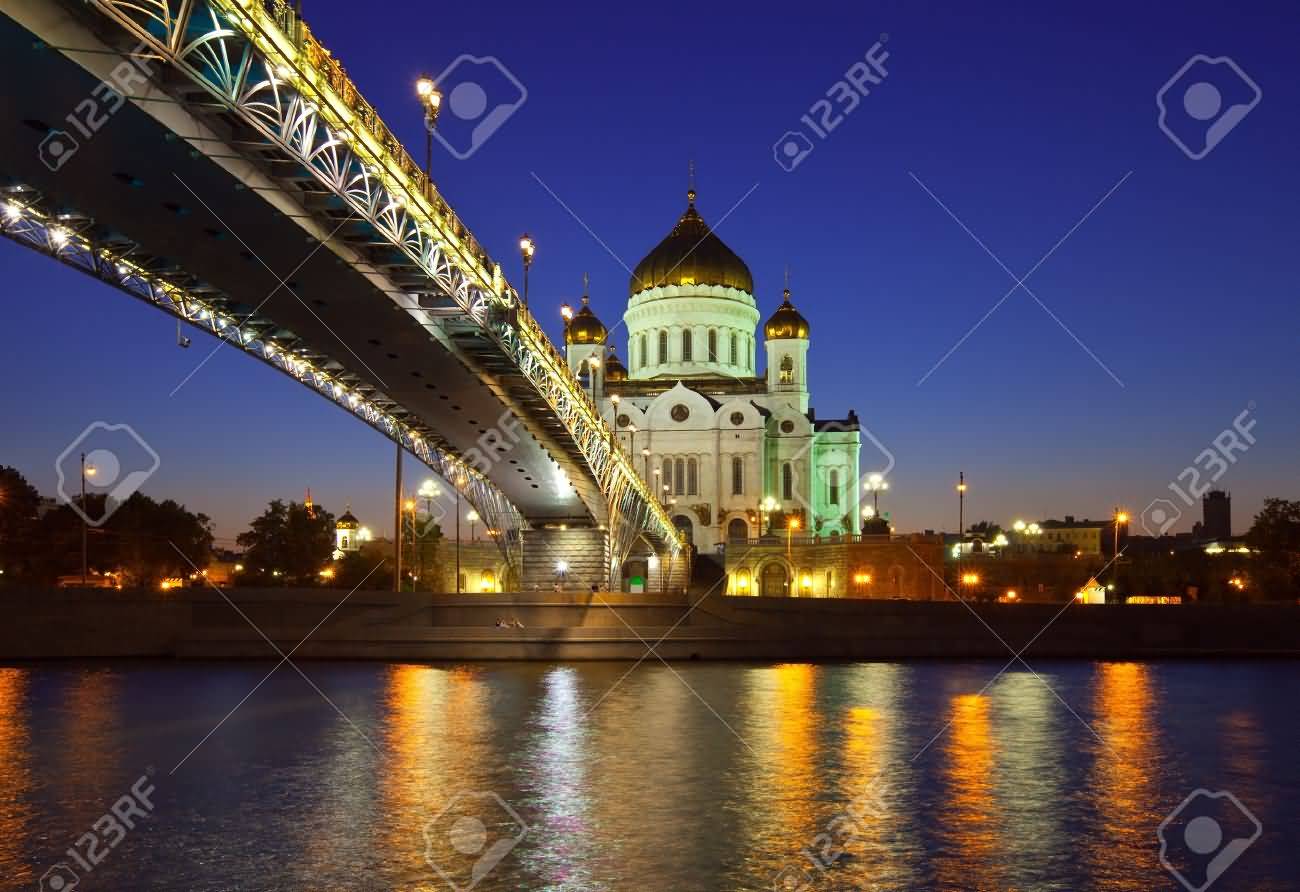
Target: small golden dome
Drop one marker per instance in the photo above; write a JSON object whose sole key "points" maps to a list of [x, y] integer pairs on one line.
{"points": [[585, 328], [614, 368], [347, 521], [786, 322], [691, 255]]}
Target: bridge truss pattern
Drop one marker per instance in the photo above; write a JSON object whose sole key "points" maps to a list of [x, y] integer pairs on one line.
{"points": [[262, 63]]}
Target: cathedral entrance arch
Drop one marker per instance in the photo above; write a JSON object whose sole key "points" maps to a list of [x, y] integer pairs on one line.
{"points": [[737, 530], [683, 524], [774, 581]]}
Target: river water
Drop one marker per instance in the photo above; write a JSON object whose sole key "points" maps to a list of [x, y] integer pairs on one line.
{"points": [[697, 776]]}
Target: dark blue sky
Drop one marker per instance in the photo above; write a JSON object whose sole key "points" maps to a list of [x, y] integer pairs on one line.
{"points": [[1018, 116]]}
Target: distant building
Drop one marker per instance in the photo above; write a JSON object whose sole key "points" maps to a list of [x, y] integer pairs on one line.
{"points": [[349, 534], [1216, 516], [1087, 537]]}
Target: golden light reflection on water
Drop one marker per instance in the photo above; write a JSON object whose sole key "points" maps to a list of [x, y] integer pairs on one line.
{"points": [[1123, 780], [970, 822], [89, 746], [15, 776]]}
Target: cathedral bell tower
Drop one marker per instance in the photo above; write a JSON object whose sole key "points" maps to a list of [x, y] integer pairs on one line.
{"points": [[786, 338]]}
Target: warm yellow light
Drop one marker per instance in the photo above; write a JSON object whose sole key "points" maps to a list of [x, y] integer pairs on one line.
{"points": [[327, 573], [472, 517], [961, 487], [594, 362], [527, 247], [615, 399], [1011, 594], [409, 504], [1121, 517], [424, 87], [794, 523], [1019, 526], [807, 581], [239, 568], [970, 578], [566, 312]]}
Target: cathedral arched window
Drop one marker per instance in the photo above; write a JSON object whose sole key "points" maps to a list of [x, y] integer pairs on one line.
{"points": [[686, 345], [834, 487], [644, 355], [713, 345], [787, 370], [787, 481], [663, 347], [734, 346], [737, 476], [692, 477], [679, 477]]}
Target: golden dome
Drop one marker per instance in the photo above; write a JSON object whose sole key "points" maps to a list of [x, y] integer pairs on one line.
{"points": [[691, 255], [347, 521], [614, 368], [786, 322], [585, 328]]}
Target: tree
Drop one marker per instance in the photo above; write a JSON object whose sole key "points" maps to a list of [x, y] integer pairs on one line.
{"points": [[370, 568], [19, 502], [287, 544], [1276, 533], [985, 529]]}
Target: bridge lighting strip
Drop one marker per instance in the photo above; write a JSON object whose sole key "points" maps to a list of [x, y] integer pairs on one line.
{"points": [[30, 227]]}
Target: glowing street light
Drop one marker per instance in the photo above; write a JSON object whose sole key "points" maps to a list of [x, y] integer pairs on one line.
{"points": [[874, 484], [1121, 517], [767, 507], [86, 471], [790, 526], [527, 248], [431, 100], [473, 518]]}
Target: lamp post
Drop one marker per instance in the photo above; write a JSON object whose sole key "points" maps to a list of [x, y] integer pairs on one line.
{"points": [[431, 99], [631, 444], [645, 454], [766, 507], [409, 505], [1121, 517], [961, 505], [593, 363], [86, 471], [875, 483], [527, 248], [460, 482], [473, 518], [790, 526]]}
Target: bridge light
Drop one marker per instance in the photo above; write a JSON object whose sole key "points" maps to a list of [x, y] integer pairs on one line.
{"points": [[12, 211], [59, 237]]}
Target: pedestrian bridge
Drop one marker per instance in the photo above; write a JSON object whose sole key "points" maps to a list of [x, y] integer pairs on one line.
{"points": [[210, 157]]}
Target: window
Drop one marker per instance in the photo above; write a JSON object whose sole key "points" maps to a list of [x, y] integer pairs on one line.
{"points": [[735, 344], [737, 476], [668, 475], [787, 481], [686, 345], [834, 487], [692, 477], [713, 345], [679, 477], [663, 347], [787, 370], [645, 356]]}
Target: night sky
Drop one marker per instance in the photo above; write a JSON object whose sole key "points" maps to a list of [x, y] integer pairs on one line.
{"points": [[1018, 119]]}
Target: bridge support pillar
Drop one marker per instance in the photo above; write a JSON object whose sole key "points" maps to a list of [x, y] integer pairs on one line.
{"points": [[576, 559]]}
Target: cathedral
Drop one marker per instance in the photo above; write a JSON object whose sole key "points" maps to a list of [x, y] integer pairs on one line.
{"points": [[735, 454]]}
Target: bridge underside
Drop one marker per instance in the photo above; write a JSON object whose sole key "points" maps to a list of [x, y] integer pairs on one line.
{"points": [[321, 285]]}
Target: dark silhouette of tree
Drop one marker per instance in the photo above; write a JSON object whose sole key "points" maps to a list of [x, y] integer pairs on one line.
{"points": [[19, 502], [1276, 533], [289, 541], [146, 541], [985, 529], [370, 568]]}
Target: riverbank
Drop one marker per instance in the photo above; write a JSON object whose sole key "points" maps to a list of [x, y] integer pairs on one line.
{"points": [[323, 624]]}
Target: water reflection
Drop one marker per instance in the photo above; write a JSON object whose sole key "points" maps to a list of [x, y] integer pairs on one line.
{"points": [[1123, 785], [16, 813], [970, 822]]}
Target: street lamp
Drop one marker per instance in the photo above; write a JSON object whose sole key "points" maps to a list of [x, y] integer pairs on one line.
{"points": [[875, 483], [790, 526], [1121, 517], [767, 507], [527, 248], [970, 581], [961, 505], [473, 518], [431, 99], [645, 454], [631, 445], [86, 471]]}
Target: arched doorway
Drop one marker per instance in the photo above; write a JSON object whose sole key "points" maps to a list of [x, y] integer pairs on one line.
{"points": [[774, 581], [737, 530], [683, 523], [636, 575]]}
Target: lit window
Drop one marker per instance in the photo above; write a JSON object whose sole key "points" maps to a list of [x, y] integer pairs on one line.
{"points": [[787, 370]]}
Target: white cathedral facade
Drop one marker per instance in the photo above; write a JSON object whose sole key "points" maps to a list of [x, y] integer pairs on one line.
{"points": [[734, 454]]}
